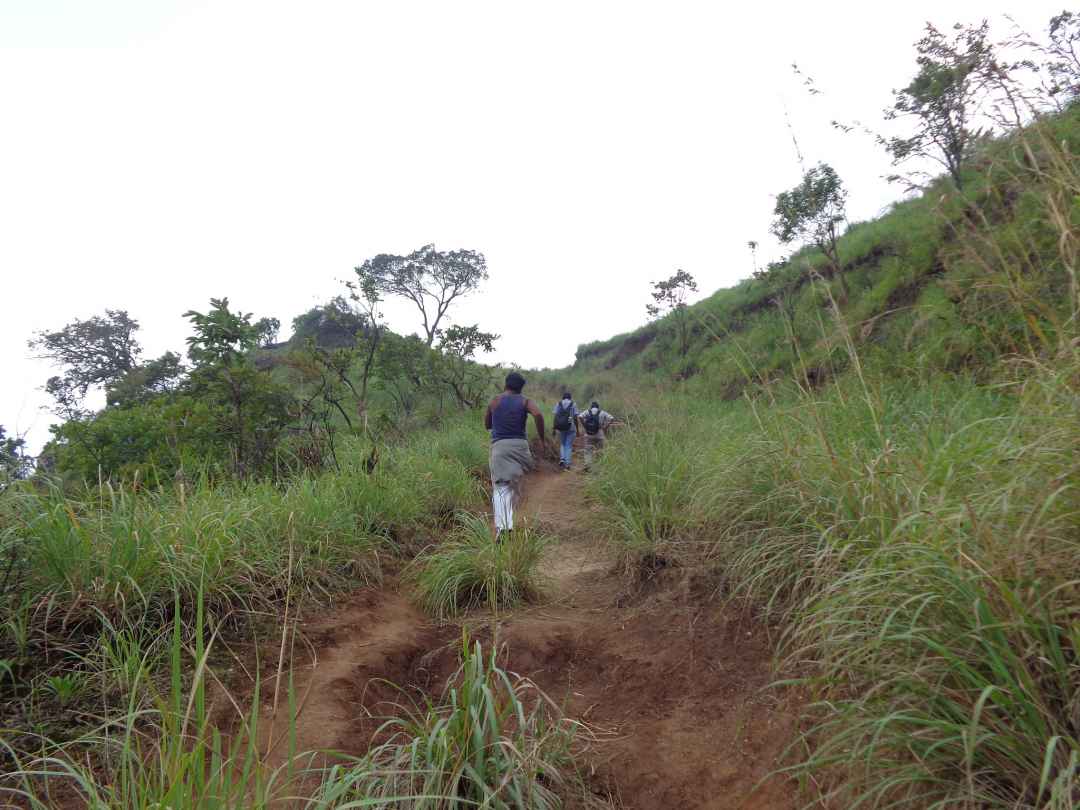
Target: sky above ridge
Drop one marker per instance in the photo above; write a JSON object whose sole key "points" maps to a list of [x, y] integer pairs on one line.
{"points": [[156, 154]]}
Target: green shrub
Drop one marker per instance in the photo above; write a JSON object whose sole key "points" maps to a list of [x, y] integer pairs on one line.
{"points": [[471, 568]]}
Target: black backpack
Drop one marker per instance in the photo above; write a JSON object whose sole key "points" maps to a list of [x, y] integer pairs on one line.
{"points": [[592, 422], [562, 417]]}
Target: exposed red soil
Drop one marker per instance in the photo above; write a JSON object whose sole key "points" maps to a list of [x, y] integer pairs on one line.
{"points": [[674, 684]]}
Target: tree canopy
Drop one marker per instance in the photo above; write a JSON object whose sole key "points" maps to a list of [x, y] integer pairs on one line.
{"points": [[669, 296], [91, 353], [13, 462], [943, 99], [432, 279]]}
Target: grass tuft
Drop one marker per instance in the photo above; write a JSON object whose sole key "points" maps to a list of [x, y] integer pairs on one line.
{"points": [[493, 740], [472, 568]]}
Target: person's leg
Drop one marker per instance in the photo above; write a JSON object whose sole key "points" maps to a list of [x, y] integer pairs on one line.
{"points": [[567, 447], [503, 506], [588, 451]]}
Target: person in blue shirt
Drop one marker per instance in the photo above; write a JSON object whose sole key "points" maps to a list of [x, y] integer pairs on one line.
{"points": [[565, 427]]}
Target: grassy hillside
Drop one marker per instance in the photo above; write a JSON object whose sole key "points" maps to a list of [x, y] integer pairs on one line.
{"points": [[943, 282], [894, 479]]}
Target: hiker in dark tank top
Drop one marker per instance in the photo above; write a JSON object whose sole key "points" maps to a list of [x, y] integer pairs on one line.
{"points": [[511, 458]]}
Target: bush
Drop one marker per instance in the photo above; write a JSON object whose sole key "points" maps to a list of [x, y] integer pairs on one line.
{"points": [[472, 569], [148, 442]]}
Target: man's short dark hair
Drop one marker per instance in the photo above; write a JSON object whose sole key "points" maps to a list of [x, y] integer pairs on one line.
{"points": [[515, 382]]}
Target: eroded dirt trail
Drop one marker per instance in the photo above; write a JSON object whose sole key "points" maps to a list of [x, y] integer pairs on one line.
{"points": [[336, 673], [674, 685]]}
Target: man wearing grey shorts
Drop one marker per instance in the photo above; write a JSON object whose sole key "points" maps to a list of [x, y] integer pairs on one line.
{"points": [[506, 417]]}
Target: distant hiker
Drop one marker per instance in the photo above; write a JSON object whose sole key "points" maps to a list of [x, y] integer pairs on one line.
{"points": [[594, 421], [510, 456], [566, 414]]}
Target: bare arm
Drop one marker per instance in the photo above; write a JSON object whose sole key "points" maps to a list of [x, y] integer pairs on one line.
{"points": [[538, 417], [487, 413]]}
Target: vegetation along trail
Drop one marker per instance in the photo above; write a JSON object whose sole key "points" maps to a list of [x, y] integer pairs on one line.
{"points": [[827, 556], [673, 685]]}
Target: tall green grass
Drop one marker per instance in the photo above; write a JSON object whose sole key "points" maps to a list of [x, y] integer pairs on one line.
{"points": [[655, 481], [91, 579], [473, 568], [916, 532], [493, 740], [168, 753], [927, 575], [117, 551], [919, 544]]}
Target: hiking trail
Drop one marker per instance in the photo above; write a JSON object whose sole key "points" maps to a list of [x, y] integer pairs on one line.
{"points": [[673, 683]]}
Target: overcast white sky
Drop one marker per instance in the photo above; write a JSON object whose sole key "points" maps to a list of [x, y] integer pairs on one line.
{"points": [[154, 154]]}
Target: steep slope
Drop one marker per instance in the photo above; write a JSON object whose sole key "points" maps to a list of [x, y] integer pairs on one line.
{"points": [[932, 286]]}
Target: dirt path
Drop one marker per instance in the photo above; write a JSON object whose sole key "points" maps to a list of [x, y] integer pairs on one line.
{"points": [[677, 685], [674, 685]]}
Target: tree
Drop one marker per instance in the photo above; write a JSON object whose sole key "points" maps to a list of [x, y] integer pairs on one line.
{"points": [[1063, 56], [753, 245], [1057, 59], [221, 337], [365, 294], [813, 212], [401, 365], [327, 386], [669, 297], [335, 323], [162, 376], [430, 278], [258, 408], [944, 98], [13, 461], [91, 353], [266, 330], [456, 366]]}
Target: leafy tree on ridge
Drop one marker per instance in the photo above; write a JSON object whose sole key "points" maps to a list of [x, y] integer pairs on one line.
{"points": [[221, 350], [669, 296], [432, 279], [944, 98], [456, 366], [813, 212], [92, 353]]}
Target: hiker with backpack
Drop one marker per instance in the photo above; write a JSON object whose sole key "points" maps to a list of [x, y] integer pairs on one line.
{"points": [[594, 421], [506, 417], [566, 414]]}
